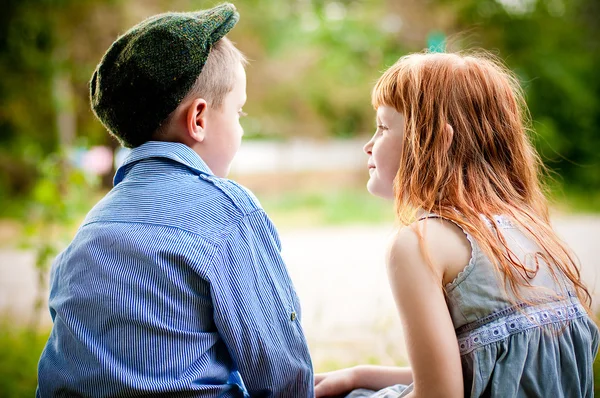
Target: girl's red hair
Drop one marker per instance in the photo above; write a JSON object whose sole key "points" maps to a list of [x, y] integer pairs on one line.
{"points": [[485, 165]]}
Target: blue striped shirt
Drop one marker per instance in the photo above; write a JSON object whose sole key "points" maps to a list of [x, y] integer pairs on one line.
{"points": [[174, 284]]}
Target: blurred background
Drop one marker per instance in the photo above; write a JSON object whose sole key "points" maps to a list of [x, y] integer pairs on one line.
{"points": [[313, 63]]}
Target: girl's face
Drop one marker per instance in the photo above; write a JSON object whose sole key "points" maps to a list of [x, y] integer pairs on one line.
{"points": [[384, 151]]}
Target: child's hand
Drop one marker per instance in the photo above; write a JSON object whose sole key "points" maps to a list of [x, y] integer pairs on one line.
{"points": [[333, 384]]}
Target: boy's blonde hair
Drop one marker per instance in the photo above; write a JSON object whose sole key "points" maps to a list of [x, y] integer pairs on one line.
{"points": [[485, 166], [218, 75], [216, 79]]}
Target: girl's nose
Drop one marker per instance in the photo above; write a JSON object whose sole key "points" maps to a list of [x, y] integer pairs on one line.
{"points": [[368, 147]]}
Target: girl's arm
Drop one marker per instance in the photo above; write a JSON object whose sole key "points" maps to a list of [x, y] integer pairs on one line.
{"points": [[429, 333], [417, 288], [375, 377], [363, 376]]}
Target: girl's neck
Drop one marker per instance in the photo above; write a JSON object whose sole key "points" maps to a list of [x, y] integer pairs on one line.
{"points": [[421, 213]]}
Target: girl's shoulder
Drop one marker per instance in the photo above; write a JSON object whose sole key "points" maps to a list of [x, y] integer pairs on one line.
{"points": [[438, 243]]}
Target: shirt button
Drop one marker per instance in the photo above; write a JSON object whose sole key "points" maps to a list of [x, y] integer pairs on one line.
{"points": [[293, 316]]}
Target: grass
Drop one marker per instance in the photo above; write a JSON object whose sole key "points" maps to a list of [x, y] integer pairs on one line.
{"points": [[340, 207], [20, 350], [597, 375], [357, 206]]}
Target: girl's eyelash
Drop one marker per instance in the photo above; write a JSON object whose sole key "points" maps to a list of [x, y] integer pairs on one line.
{"points": [[381, 127], [242, 113]]}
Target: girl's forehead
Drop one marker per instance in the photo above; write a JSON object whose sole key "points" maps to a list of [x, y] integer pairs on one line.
{"points": [[382, 110], [388, 113]]}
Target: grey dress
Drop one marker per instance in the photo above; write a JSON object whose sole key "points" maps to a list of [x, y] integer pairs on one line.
{"points": [[544, 349]]}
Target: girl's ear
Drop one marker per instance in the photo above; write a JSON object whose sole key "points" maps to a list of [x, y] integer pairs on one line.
{"points": [[448, 137], [196, 119]]}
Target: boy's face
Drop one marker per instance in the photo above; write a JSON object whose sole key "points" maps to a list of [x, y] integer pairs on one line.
{"points": [[384, 150], [223, 130]]}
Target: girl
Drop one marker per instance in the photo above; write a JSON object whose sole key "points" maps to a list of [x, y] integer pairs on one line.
{"points": [[491, 301]]}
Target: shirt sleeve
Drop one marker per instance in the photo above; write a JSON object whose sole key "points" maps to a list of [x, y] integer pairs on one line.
{"points": [[257, 312]]}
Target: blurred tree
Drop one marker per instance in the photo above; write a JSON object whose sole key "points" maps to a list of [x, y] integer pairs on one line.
{"points": [[46, 59], [42, 56], [313, 64], [553, 46]]}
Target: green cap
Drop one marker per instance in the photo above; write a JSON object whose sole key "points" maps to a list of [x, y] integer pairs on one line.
{"points": [[146, 72]]}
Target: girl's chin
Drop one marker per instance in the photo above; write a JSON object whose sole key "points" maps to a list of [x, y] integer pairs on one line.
{"points": [[376, 188]]}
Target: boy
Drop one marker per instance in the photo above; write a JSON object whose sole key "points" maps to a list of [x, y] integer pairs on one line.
{"points": [[174, 284]]}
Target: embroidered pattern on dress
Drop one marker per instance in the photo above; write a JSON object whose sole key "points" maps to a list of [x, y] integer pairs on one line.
{"points": [[500, 221], [527, 318]]}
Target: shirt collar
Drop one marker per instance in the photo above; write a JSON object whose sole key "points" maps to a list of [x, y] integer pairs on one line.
{"points": [[176, 151]]}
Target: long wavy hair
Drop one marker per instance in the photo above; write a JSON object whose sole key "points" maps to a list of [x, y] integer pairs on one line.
{"points": [[487, 166]]}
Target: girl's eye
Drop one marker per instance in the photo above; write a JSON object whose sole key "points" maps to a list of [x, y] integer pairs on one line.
{"points": [[381, 127], [242, 113]]}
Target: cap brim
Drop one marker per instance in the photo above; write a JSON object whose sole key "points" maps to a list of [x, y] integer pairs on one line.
{"points": [[225, 16]]}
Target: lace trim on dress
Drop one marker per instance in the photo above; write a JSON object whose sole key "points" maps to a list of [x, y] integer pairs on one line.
{"points": [[524, 319]]}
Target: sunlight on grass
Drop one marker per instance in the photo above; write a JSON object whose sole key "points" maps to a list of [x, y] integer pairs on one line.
{"points": [[340, 207]]}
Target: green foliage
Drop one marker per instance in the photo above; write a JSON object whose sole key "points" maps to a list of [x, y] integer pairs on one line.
{"points": [[317, 65], [553, 47], [313, 64], [45, 65], [60, 196], [20, 350], [597, 375]]}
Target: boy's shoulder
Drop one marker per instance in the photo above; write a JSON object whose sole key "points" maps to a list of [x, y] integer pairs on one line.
{"points": [[173, 188], [177, 177], [236, 194]]}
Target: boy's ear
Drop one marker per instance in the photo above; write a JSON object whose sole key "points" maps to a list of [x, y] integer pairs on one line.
{"points": [[196, 119]]}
